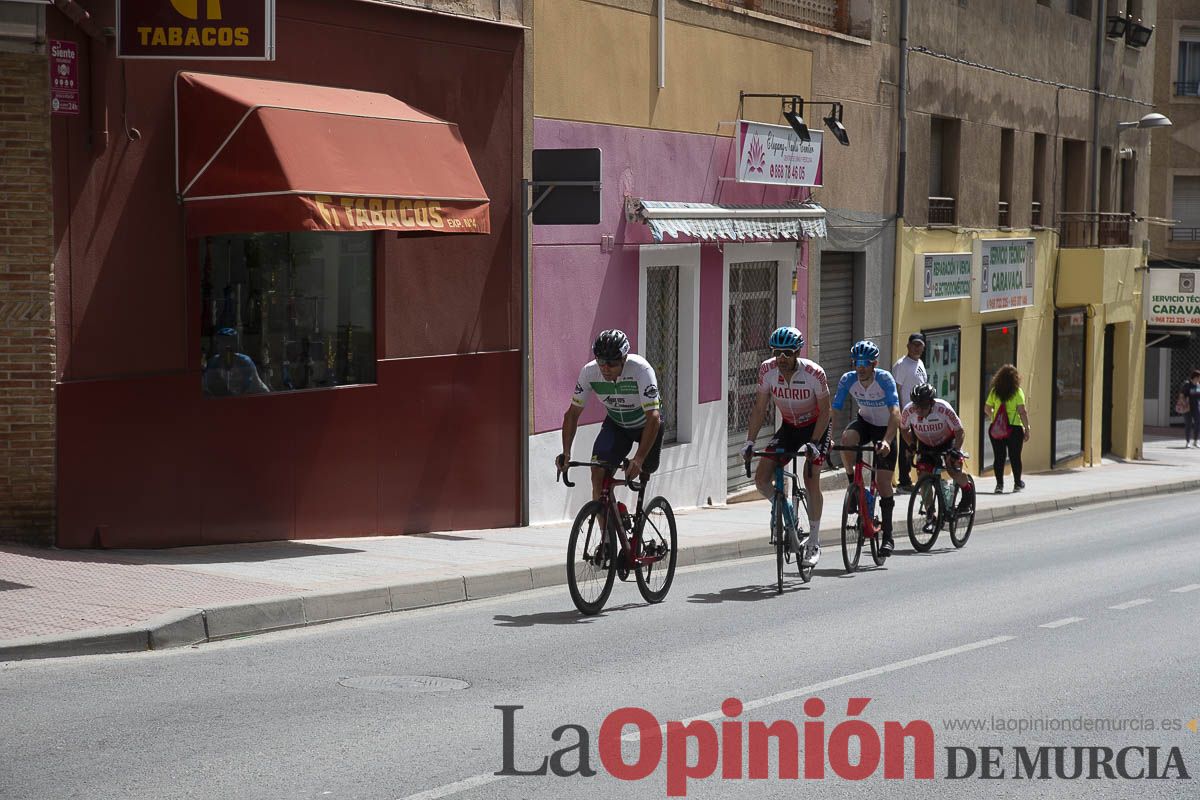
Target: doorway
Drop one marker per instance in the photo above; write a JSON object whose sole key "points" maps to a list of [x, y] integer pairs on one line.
{"points": [[999, 348]]}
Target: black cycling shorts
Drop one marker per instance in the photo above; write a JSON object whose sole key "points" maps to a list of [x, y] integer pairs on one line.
{"points": [[792, 438], [931, 454], [614, 443], [874, 433]]}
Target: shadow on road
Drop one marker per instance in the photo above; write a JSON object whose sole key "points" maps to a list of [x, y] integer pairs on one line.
{"points": [[571, 617], [745, 593]]}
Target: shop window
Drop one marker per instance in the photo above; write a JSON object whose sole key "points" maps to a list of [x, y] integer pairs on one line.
{"points": [[1070, 356], [662, 341], [284, 312], [942, 363]]}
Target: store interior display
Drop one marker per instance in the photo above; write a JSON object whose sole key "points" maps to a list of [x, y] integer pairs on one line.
{"points": [[301, 305]]}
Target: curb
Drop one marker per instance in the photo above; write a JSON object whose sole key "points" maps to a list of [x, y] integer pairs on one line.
{"points": [[186, 627]]}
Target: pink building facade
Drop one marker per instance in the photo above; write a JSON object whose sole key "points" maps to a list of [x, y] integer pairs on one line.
{"points": [[700, 311]]}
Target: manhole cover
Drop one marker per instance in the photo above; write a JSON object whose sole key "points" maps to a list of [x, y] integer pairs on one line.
{"points": [[405, 683]]}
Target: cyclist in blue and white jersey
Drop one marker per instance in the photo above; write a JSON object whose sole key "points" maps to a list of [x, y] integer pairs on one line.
{"points": [[628, 388], [874, 393], [801, 393]]}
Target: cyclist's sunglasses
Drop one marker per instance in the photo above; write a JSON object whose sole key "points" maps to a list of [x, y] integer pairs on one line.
{"points": [[788, 353], [862, 362], [604, 362]]}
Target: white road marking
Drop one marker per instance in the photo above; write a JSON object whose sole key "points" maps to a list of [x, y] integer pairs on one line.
{"points": [[1191, 587], [1058, 623], [1141, 601], [791, 694]]}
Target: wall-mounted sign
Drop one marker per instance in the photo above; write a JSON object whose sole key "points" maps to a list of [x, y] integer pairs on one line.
{"points": [[1171, 299], [1006, 273], [227, 30], [64, 77], [942, 276], [775, 154]]}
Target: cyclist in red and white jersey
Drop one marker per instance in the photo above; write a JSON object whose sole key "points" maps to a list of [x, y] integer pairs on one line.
{"points": [[801, 393], [931, 426]]}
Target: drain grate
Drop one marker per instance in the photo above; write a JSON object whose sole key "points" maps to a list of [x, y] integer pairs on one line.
{"points": [[405, 683]]}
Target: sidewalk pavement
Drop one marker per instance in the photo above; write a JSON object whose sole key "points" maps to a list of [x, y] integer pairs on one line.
{"points": [[78, 602]]}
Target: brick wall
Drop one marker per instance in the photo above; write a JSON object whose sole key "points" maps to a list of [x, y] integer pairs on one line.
{"points": [[27, 367]]}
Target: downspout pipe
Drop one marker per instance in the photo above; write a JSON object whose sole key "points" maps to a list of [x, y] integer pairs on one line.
{"points": [[902, 89], [1099, 68]]}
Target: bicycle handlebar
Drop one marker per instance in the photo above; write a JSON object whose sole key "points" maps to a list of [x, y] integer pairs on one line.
{"points": [[633, 484], [776, 453]]}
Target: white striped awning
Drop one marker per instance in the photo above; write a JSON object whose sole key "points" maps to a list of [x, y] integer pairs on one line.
{"points": [[712, 221]]}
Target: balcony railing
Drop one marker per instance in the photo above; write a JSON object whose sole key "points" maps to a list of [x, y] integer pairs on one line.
{"points": [[1002, 215], [1035, 214], [832, 15], [1185, 234], [1187, 88], [941, 211], [1095, 229]]}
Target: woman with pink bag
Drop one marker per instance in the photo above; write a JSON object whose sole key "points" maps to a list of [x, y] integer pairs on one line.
{"points": [[1008, 430]]}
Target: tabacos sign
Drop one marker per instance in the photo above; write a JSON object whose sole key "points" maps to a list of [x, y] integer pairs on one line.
{"points": [[196, 29]]}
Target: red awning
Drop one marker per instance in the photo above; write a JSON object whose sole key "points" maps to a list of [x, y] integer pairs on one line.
{"points": [[255, 155]]}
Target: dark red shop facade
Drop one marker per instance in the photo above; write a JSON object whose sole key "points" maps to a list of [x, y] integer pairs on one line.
{"points": [[288, 292]]}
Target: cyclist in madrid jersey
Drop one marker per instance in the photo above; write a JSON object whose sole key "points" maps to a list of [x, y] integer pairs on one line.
{"points": [[628, 388], [931, 427], [801, 394], [874, 392]]}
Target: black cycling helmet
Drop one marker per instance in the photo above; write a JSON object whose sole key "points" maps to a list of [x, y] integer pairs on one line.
{"points": [[611, 345], [923, 394]]}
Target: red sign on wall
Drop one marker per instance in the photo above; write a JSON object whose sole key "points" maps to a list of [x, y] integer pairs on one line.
{"points": [[64, 77], [229, 30]]}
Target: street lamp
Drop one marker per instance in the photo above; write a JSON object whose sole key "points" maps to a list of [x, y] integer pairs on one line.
{"points": [[1151, 120], [1116, 24]]}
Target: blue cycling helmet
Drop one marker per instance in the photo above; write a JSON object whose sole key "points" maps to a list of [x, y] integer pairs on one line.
{"points": [[786, 338], [863, 353]]}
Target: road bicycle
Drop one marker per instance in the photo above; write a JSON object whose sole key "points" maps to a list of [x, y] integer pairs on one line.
{"points": [[785, 515], [607, 541], [858, 511], [934, 505]]}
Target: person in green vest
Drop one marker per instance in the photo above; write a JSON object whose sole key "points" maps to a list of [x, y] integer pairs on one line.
{"points": [[1008, 429]]}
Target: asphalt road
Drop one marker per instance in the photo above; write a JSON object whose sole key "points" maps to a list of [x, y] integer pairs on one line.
{"points": [[1078, 618]]}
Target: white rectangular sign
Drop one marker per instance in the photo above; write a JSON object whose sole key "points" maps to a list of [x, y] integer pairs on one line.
{"points": [[942, 276], [1006, 270], [775, 154], [1171, 299]]}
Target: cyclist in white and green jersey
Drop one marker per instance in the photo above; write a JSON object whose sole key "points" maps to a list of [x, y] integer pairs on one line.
{"points": [[628, 388]]}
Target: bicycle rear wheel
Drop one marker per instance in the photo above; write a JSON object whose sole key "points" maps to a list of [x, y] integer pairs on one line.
{"points": [[800, 506], [876, 554], [658, 537], [851, 534], [961, 522], [591, 559], [925, 514]]}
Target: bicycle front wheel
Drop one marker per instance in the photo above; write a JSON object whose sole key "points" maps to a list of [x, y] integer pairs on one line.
{"points": [[779, 537], [963, 521], [591, 559], [800, 506], [659, 540], [925, 514], [851, 533]]}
